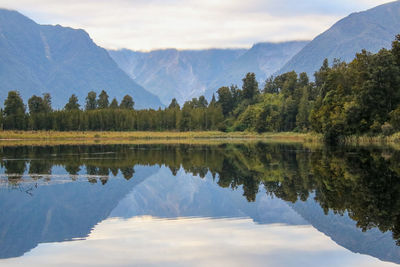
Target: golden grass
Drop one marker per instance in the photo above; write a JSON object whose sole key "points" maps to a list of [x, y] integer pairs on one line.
{"points": [[54, 138], [392, 141]]}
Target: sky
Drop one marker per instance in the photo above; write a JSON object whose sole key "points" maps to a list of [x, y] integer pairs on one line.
{"points": [[191, 24]]}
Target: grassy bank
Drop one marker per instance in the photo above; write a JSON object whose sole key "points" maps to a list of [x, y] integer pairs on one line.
{"points": [[391, 140], [52, 137]]}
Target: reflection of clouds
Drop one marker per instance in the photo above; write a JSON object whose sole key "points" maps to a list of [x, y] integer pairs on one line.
{"points": [[153, 24], [196, 242]]}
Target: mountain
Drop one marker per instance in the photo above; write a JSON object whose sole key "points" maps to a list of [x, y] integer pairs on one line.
{"points": [[264, 59], [372, 30], [185, 74], [35, 59], [175, 74]]}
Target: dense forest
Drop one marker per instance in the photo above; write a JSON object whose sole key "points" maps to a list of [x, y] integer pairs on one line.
{"points": [[356, 98]]}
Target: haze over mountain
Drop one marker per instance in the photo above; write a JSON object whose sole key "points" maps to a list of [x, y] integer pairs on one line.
{"points": [[185, 74], [372, 30], [35, 59]]}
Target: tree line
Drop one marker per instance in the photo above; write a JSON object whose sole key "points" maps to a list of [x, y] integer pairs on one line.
{"points": [[360, 97], [98, 114]]}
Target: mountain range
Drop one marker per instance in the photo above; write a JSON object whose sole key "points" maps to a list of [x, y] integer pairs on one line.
{"points": [[371, 30], [184, 74], [35, 59]]}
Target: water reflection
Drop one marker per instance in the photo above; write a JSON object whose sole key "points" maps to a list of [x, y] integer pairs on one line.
{"points": [[143, 241], [63, 191]]}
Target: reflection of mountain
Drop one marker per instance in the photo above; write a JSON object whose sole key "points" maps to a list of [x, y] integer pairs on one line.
{"points": [[344, 232], [167, 196], [58, 212]]}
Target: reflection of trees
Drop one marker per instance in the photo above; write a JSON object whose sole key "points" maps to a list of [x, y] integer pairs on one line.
{"points": [[364, 183]]}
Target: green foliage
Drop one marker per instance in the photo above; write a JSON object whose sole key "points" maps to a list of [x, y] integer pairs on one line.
{"points": [[91, 102], [72, 103], [14, 112], [103, 102], [250, 86], [127, 102]]}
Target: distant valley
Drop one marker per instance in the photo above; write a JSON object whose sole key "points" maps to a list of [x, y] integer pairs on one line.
{"points": [[190, 73]]}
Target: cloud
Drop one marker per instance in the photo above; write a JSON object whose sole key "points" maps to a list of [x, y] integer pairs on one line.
{"points": [[146, 25]]}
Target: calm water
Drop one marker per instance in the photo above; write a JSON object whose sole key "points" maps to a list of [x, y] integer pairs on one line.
{"points": [[196, 205]]}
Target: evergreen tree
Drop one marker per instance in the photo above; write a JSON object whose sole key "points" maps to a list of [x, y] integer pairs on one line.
{"points": [[270, 86], [47, 103], [250, 86], [213, 102], [114, 104], [35, 104], [1, 119], [225, 99], [396, 49], [174, 104], [127, 102], [103, 102], [91, 102], [72, 103], [14, 112], [202, 103]]}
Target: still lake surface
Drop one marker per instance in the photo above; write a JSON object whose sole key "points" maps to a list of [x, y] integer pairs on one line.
{"points": [[255, 204]]}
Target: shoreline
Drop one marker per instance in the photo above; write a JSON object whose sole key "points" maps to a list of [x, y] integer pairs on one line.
{"points": [[12, 138], [90, 137]]}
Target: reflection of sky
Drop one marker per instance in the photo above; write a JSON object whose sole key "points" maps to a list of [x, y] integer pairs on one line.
{"points": [[195, 242]]}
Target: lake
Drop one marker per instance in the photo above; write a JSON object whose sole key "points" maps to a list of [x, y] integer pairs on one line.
{"points": [[254, 204]]}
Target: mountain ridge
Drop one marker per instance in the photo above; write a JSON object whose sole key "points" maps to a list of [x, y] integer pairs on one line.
{"points": [[372, 30], [37, 59], [185, 74]]}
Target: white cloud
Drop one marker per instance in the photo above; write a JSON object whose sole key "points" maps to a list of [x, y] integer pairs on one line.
{"points": [[145, 25]]}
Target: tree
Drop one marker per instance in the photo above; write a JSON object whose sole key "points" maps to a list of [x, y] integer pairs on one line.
{"points": [[321, 75], [270, 86], [1, 119], [250, 86], [202, 103], [213, 102], [396, 49], [225, 99], [174, 104], [14, 111], [35, 104], [127, 102], [72, 103], [103, 102], [114, 104], [91, 102], [47, 103]]}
